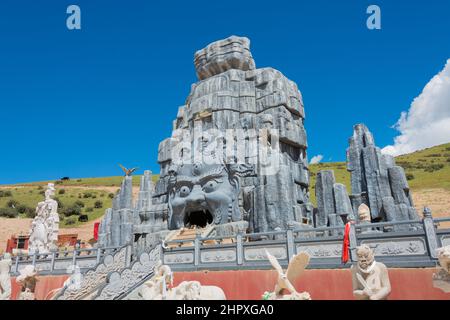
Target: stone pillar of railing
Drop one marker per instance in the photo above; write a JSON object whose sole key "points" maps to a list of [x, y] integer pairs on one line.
{"points": [[430, 232], [197, 248], [290, 241], [52, 264], [239, 248]]}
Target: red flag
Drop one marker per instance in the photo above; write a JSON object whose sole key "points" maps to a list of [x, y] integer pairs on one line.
{"points": [[346, 243], [96, 225]]}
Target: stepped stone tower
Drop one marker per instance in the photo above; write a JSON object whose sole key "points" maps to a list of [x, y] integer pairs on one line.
{"points": [[234, 100]]}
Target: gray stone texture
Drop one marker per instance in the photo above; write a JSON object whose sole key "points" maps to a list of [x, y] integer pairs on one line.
{"points": [[232, 94], [377, 181]]}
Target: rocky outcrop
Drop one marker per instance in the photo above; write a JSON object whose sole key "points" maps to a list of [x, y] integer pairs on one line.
{"points": [[377, 181]]}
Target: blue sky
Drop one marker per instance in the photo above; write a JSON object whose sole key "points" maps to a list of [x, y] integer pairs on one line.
{"points": [[76, 103]]}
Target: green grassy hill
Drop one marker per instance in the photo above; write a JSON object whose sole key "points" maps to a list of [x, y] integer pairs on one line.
{"points": [[425, 169]]}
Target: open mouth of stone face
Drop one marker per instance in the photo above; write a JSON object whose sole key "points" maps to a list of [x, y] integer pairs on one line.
{"points": [[200, 218]]}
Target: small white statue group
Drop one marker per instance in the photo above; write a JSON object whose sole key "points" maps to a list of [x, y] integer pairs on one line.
{"points": [[45, 226], [159, 287], [5, 279], [441, 279]]}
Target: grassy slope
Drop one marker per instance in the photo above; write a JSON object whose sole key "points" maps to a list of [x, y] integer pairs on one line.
{"points": [[418, 164]]}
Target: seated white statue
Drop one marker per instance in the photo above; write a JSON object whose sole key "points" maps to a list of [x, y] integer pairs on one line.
{"points": [[370, 278], [441, 279]]}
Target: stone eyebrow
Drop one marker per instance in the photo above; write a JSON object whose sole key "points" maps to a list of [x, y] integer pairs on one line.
{"points": [[185, 180], [207, 177]]}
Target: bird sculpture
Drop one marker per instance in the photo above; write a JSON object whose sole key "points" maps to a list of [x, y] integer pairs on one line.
{"points": [[128, 172], [295, 268]]}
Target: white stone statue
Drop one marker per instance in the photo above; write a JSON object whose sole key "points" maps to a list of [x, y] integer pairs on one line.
{"points": [[295, 268], [27, 280], [5, 279], [45, 226], [370, 278], [364, 213], [441, 279], [158, 288]]}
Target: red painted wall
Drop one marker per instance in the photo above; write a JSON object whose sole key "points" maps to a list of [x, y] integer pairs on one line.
{"points": [[326, 284]]}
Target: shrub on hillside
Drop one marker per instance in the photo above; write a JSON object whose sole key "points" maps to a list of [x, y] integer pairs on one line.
{"points": [[98, 204], [111, 195], [87, 195], [5, 193], [434, 167], [12, 203], [72, 210], [30, 212], [61, 191], [8, 212], [79, 203], [70, 220], [409, 176]]}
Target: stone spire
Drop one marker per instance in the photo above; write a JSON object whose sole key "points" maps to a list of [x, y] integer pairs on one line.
{"points": [[376, 181]]}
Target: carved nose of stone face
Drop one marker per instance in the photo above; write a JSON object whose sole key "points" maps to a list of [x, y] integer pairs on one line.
{"points": [[196, 196]]}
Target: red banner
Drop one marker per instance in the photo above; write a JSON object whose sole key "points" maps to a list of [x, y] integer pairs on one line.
{"points": [[96, 225]]}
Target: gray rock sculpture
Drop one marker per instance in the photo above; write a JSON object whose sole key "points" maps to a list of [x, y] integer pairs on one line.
{"points": [[377, 182], [295, 268], [5, 279], [45, 226], [233, 95], [116, 228], [370, 279], [333, 203], [441, 279]]}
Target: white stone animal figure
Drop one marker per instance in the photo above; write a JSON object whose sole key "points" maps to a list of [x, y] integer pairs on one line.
{"points": [[441, 279], [27, 280], [157, 288], [295, 268], [5, 279]]}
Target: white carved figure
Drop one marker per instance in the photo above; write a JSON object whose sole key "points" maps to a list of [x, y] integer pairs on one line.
{"points": [[27, 280], [370, 278], [441, 279], [295, 268], [364, 213], [5, 279], [158, 288], [45, 226]]}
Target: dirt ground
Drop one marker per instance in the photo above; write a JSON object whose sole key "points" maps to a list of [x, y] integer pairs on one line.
{"points": [[438, 200]]}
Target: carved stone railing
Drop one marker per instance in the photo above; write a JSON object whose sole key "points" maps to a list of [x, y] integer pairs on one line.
{"points": [[96, 277], [61, 262], [409, 243], [120, 283]]}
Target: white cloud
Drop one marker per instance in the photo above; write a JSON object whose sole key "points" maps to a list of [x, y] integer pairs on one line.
{"points": [[427, 123], [316, 159]]}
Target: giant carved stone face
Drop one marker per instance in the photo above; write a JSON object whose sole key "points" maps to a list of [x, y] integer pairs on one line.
{"points": [[202, 194]]}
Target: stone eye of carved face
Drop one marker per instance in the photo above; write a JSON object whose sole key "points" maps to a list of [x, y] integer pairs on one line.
{"points": [[210, 186], [184, 191]]}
